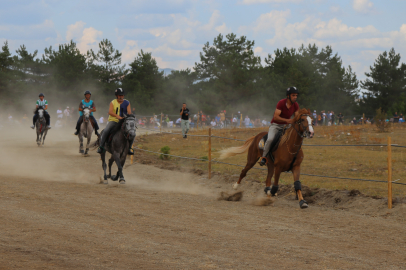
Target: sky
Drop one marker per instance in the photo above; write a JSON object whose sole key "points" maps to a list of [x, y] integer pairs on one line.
{"points": [[174, 31]]}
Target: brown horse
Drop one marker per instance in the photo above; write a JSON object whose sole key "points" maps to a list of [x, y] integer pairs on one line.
{"points": [[288, 155]]}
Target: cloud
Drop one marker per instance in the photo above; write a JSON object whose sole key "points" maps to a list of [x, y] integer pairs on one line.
{"points": [[252, 2], [363, 6], [86, 38]]}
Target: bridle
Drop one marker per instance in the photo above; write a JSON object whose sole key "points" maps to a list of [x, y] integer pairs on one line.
{"points": [[299, 122], [132, 122]]}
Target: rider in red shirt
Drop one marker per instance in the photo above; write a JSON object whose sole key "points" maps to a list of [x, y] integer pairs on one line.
{"points": [[282, 116]]}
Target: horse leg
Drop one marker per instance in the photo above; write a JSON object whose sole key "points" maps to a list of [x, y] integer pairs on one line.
{"points": [[122, 160], [116, 157], [271, 191], [298, 187], [111, 161], [248, 166], [89, 137], [80, 143], [45, 134], [104, 166]]}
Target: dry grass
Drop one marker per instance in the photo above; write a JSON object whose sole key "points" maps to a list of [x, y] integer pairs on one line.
{"points": [[354, 162]]}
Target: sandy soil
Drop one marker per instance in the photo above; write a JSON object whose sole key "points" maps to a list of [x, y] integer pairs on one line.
{"points": [[54, 214]]}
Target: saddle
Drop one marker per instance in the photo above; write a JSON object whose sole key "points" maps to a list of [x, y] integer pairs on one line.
{"points": [[274, 143], [90, 120]]}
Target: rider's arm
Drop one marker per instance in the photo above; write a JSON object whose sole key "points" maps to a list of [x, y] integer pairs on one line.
{"points": [[94, 107], [80, 106], [276, 117], [113, 113], [46, 106], [181, 111], [129, 109]]}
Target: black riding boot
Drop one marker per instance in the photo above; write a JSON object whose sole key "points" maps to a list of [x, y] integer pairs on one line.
{"points": [[263, 161], [78, 125]]}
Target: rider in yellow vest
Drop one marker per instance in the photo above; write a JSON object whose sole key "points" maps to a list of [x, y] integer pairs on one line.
{"points": [[118, 107]]}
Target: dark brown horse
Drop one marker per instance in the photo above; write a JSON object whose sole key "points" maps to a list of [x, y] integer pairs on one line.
{"points": [[288, 155]]}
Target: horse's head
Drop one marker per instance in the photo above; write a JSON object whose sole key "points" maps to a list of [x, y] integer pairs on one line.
{"points": [[86, 114], [40, 112], [304, 121], [129, 126]]}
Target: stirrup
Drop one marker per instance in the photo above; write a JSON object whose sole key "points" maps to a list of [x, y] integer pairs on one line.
{"points": [[263, 161]]}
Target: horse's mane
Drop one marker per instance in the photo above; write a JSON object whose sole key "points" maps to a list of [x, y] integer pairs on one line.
{"points": [[301, 111], [291, 128], [120, 123]]}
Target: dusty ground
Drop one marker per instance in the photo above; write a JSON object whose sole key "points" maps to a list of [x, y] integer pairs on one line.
{"points": [[54, 214]]}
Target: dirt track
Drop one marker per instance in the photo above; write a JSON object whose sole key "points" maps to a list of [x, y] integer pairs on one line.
{"points": [[55, 215]]}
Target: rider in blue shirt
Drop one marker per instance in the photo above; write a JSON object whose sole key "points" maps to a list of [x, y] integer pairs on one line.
{"points": [[87, 102]]}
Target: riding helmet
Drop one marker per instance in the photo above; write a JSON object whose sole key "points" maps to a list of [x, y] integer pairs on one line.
{"points": [[119, 92], [292, 90], [41, 95], [87, 92]]}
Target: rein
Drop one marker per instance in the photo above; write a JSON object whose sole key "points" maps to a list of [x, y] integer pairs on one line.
{"points": [[301, 134]]}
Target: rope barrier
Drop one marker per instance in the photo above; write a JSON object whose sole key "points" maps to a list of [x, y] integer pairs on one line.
{"points": [[322, 145], [263, 169]]}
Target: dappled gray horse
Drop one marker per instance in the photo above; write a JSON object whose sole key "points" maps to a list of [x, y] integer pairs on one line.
{"points": [[86, 130], [41, 126], [118, 147]]}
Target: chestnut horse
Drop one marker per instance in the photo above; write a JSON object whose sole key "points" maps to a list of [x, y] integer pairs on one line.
{"points": [[288, 156]]}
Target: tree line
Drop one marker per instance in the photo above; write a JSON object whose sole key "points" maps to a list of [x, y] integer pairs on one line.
{"points": [[229, 76]]}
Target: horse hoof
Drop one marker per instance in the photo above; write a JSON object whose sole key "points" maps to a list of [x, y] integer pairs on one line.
{"points": [[114, 177], [106, 182], [81, 151], [236, 185], [303, 204], [122, 181]]}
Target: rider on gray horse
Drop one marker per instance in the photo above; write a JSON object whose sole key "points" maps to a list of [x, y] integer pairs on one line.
{"points": [[44, 104], [284, 110], [118, 107], [87, 102]]}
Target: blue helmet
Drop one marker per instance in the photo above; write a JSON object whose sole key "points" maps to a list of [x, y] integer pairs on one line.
{"points": [[87, 92]]}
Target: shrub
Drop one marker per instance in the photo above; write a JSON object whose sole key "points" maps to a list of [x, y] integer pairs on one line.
{"points": [[205, 158], [380, 121], [165, 150]]}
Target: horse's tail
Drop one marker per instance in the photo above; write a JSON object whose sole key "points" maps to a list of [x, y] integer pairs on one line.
{"points": [[232, 151], [96, 144]]}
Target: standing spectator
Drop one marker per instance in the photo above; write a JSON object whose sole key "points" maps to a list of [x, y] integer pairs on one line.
{"points": [[396, 118], [340, 118], [247, 121], [315, 117], [222, 117], [217, 118], [101, 121], [401, 118], [264, 123], [208, 119], [203, 118], [59, 113], [24, 119], [324, 118], [333, 118], [235, 121], [213, 123], [184, 112], [66, 112]]}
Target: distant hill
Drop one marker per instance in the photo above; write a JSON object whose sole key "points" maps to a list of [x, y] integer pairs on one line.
{"points": [[166, 71]]}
